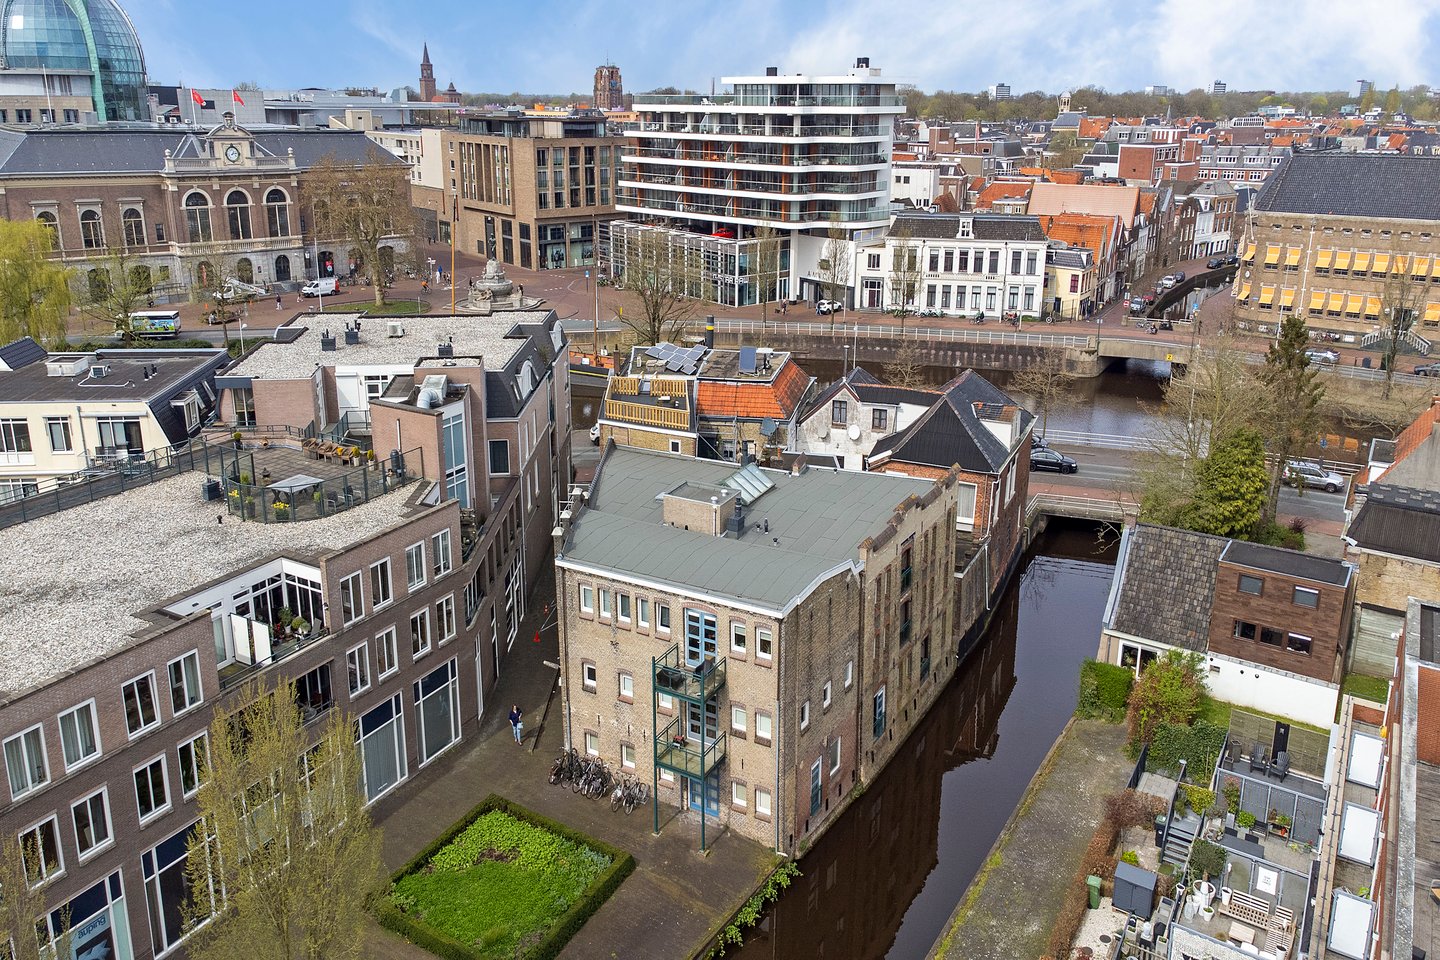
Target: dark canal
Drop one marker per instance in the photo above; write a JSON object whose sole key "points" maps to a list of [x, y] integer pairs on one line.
{"points": [[885, 878]]}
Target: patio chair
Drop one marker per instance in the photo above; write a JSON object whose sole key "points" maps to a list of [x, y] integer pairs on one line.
{"points": [[1281, 765], [1259, 757]]}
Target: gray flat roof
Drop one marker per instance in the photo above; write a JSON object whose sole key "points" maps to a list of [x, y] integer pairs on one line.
{"points": [[818, 518], [473, 336], [72, 583], [129, 377]]}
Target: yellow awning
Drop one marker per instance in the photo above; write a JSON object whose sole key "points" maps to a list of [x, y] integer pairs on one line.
{"points": [[1244, 292], [1323, 259], [1272, 255], [1382, 263], [1292, 256], [1432, 313], [1435, 268], [1372, 306], [1354, 303], [1267, 296], [1287, 299], [1342, 259], [1337, 302], [1362, 263], [1317, 302], [1249, 253], [1420, 267]]}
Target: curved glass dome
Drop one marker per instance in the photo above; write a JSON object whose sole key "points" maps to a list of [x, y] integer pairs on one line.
{"points": [[91, 35]]}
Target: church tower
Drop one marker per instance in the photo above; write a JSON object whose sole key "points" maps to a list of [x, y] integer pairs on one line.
{"points": [[427, 77]]}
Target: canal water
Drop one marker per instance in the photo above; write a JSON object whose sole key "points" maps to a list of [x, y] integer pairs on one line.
{"points": [[884, 879]]}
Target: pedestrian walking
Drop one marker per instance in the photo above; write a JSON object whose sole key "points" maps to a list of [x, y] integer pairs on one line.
{"points": [[277, 304], [522, 291], [517, 725]]}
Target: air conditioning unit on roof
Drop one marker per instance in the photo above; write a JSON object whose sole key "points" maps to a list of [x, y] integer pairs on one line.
{"points": [[394, 328]]}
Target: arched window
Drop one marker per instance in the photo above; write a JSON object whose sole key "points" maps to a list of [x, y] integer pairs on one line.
{"points": [[141, 280], [245, 270], [134, 227], [237, 207], [282, 268], [92, 231], [99, 283], [197, 217], [277, 213], [205, 276], [53, 225]]}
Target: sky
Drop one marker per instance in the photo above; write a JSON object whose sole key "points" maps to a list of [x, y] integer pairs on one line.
{"points": [[1052, 45]]}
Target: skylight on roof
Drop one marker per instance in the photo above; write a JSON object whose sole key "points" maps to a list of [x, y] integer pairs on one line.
{"points": [[751, 482]]}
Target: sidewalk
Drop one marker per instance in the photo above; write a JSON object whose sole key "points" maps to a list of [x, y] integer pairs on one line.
{"points": [[675, 898]]}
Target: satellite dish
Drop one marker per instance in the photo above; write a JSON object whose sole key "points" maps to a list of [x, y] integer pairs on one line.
{"points": [[854, 431]]}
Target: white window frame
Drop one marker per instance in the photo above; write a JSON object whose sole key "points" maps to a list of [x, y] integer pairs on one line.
{"points": [[159, 811], [592, 744], [835, 759], [623, 607], [587, 598], [198, 693], [763, 719], [642, 612], [109, 841], [665, 701], [94, 732], [805, 715], [357, 665], [762, 807], [740, 631], [388, 642], [376, 603], [825, 695], [201, 737], [739, 794], [849, 673], [415, 569], [662, 617], [627, 680], [764, 637], [32, 784], [445, 622], [418, 649], [46, 875], [738, 717], [141, 730], [587, 676], [627, 756], [354, 585], [441, 561], [606, 603]]}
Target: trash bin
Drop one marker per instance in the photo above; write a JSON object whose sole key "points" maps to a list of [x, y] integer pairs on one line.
{"points": [[1159, 831], [1093, 882], [1365, 362]]}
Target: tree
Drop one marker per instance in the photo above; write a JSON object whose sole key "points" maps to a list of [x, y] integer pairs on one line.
{"points": [[366, 205], [904, 267], [35, 293], [1392, 102], [765, 267], [1402, 301], [287, 837], [1231, 490], [1367, 101], [906, 369], [1170, 690], [835, 266], [1292, 402], [24, 909], [665, 277], [1047, 383], [112, 289]]}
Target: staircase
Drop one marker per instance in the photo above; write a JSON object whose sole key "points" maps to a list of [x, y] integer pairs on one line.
{"points": [[1179, 838], [1411, 339]]}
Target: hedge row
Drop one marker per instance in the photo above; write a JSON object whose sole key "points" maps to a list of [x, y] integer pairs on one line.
{"points": [[1198, 744], [560, 932], [1104, 690], [1076, 898]]}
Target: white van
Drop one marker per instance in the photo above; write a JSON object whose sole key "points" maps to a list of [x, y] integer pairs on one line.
{"points": [[324, 287]]}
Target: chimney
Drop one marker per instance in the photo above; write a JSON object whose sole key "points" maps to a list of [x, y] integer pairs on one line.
{"points": [[737, 521], [710, 332], [772, 71], [327, 341], [862, 63]]}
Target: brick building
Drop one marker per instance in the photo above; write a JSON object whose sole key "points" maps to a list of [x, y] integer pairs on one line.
{"points": [[609, 88], [754, 642]]}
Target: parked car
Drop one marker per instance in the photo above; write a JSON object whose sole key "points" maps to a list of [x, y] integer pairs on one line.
{"points": [[1214, 263], [1315, 355], [1050, 460], [1178, 276], [1298, 472], [1166, 282], [823, 307], [595, 434], [324, 287], [1428, 370], [1232, 260], [1137, 305]]}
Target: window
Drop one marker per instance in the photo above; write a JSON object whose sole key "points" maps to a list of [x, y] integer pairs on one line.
{"points": [[763, 644], [627, 687], [380, 590], [140, 711], [701, 637], [185, 689], [738, 639], [587, 598], [1251, 585], [380, 734], [834, 756], [277, 213], [587, 676], [762, 802], [839, 411], [642, 612], [762, 726], [1298, 643], [665, 703], [627, 756], [419, 634], [197, 218], [662, 617], [674, 446], [415, 566], [1271, 636], [849, 673], [738, 794], [592, 744], [45, 216], [193, 755], [815, 793], [352, 600], [1244, 631], [357, 668], [40, 850], [25, 762], [623, 599], [79, 735], [605, 608], [499, 457], [1305, 597], [387, 654], [92, 231], [14, 436], [58, 429], [737, 720], [445, 619], [91, 817], [879, 419], [152, 789], [237, 211], [878, 712], [825, 694], [437, 704], [804, 714], [440, 553]]}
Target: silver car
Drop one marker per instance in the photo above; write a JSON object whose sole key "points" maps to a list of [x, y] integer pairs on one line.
{"points": [[1298, 472]]}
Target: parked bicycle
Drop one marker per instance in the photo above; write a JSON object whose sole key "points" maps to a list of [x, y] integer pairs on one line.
{"points": [[566, 767], [633, 793]]}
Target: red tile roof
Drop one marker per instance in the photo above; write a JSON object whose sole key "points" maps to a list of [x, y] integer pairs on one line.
{"points": [[1080, 230], [1413, 435], [753, 400], [1003, 190]]}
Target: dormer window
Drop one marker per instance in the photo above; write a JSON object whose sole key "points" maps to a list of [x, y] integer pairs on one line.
{"points": [[966, 229]]}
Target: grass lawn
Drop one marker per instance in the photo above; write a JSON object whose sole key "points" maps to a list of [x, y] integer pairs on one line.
{"points": [[1218, 712], [501, 882], [1367, 688], [403, 308]]}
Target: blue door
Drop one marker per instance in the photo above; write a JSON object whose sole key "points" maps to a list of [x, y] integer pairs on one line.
{"points": [[711, 794]]}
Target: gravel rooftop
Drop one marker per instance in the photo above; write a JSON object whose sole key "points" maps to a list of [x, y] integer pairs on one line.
{"points": [[483, 336], [72, 584]]}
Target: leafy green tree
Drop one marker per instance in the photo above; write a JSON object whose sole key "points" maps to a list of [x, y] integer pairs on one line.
{"points": [[1367, 100], [23, 907], [1392, 102], [35, 293], [1233, 482], [1170, 690], [1292, 397]]}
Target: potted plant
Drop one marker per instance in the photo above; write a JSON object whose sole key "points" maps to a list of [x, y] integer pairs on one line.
{"points": [[238, 439], [1206, 860], [370, 456], [1245, 820], [250, 507], [285, 617], [1281, 823], [301, 626], [282, 510], [1231, 790]]}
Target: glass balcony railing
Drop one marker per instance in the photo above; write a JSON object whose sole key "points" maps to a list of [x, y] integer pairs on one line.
{"points": [[676, 750], [740, 211], [694, 682], [771, 100]]}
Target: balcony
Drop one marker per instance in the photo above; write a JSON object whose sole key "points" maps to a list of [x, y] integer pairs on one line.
{"points": [[674, 750], [727, 211], [280, 483], [691, 153], [772, 100], [666, 405], [697, 684], [906, 574]]}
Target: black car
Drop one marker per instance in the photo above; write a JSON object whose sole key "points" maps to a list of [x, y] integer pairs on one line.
{"points": [[1214, 263], [1050, 460], [1428, 370], [1232, 260]]}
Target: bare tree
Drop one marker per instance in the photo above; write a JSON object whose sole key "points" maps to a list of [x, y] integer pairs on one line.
{"points": [[25, 910], [666, 278], [906, 368], [112, 289], [904, 268], [286, 853], [1047, 382], [835, 266], [765, 267], [1402, 301], [366, 205]]}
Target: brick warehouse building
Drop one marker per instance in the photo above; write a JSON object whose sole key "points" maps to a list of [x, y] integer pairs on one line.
{"points": [[403, 591], [187, 208], [755, 642]]}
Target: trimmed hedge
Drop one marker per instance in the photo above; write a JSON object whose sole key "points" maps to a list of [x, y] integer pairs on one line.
{"points": [[1199, 745], [1104, 690], [418, 932]]}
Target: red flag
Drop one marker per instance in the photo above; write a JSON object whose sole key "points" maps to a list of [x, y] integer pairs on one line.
{"points": [[235, 95], [195, 95]]}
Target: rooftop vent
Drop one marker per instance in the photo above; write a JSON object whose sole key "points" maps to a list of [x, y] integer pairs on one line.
{"points": [[444, 349], [394, 328], [352, 334], [432, 391], [99, 370], [327, 341], [862, 63]]}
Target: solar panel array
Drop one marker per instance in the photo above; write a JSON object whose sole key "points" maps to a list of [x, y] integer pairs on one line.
{"points": [[677, 359]]}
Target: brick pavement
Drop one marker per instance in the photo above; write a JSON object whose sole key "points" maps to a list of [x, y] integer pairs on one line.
{"points": [[675, 898]]}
